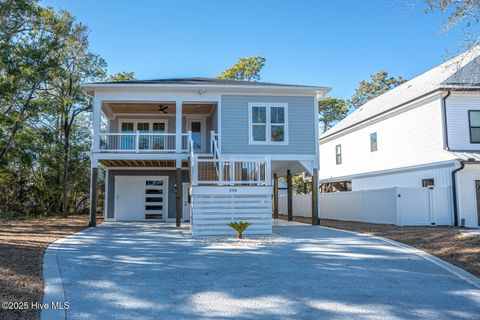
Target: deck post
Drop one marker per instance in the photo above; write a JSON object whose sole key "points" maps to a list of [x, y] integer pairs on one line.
{"points": [[289, 196], [93, 197], [275, 196], [315, 220], [179, 207], [178, 126]]}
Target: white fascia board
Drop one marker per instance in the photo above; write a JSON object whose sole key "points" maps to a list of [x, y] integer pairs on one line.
{"points": [[273, 157], [98, 87], [96, 156], [441, 164]]}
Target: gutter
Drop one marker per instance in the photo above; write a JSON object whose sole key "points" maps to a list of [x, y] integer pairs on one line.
{"points": [[454, 192], [445, 122]]}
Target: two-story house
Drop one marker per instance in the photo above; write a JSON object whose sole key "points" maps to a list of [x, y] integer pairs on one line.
{"points": [[424, 133], [199, 150]]}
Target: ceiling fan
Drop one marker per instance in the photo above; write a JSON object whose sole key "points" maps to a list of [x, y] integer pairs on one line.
{"points": [[162, 108]]}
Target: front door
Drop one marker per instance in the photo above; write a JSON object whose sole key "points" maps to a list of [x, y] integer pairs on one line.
{"points": [[477, 190], [197, 127], [186, 201]]}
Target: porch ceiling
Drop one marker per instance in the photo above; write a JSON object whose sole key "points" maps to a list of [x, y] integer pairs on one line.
{"points": [[188, 108], [141, 163]]}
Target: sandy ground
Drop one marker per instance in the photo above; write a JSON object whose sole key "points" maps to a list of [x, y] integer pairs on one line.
{"points": [[22, 244]]}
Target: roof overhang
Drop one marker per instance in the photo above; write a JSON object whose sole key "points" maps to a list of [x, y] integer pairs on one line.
{"points": [[91, 88]]}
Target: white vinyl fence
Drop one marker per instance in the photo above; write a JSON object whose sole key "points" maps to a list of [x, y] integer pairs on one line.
{"points": [[397, 205]]}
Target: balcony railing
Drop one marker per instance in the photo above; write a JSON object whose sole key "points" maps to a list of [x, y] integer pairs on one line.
{"points": [[230, 172], [141, 142]]}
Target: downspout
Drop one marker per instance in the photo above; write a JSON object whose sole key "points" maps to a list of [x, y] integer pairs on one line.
{"points": [[445, 125], [454, 192]]}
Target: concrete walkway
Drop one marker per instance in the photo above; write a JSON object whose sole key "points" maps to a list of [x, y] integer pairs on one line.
{"points": [[153, 271]]}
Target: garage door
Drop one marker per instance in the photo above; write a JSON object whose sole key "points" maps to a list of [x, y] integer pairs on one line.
{"points": [[141, 198]]}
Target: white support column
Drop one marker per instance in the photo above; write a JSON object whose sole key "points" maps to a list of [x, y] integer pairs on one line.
{"points": [[178, 126], [96, 123]]}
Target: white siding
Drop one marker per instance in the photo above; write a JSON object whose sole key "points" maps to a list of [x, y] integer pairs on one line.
{"points": [[408, 138], [458, 105], [213, 208], [442, 177], [467, 207]]}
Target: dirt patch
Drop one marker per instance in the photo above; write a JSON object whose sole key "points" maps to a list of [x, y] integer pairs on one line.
{"points": [[451, 244], [22, 244]]}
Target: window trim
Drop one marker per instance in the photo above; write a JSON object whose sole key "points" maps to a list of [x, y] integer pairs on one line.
{"points": [[268, 124], [338, 146], [470, 127], [376, 142], [137, 121]]}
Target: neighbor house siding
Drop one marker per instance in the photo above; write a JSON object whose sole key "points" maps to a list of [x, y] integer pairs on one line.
{"points": [[409, 138], [301, 125], [171, 174], [458, 105], [441, 175]]}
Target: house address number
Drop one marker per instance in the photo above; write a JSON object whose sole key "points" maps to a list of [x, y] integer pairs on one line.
{"points": [[233, 190]]}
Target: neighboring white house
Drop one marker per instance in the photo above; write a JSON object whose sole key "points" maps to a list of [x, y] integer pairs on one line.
{"points": [[200, 150], [416, 149]]}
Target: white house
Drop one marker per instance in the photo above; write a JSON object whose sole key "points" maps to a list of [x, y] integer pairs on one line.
{"points": [[200, 150], [419, 144]]}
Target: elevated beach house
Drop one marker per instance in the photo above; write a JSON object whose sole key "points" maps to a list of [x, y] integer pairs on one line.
{"points": [[198, 150]]}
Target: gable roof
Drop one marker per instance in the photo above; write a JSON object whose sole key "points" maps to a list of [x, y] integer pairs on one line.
{"points": [[460, 72]]}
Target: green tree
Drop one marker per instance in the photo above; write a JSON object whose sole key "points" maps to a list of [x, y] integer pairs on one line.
{"points": [[246, 69], [379, 83], [330, 111], [77, 65], [122, 76]]}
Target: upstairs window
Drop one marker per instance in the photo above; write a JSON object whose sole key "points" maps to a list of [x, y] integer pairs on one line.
{"points": [[268, 123], [338, 154], [474, 121], [373, 142]]}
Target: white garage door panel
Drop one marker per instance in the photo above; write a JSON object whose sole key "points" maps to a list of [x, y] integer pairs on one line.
{"points": [[136, 197]]}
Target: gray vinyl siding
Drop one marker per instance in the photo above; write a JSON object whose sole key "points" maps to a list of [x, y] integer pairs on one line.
{"points": [[301, 125], [171, 174]]}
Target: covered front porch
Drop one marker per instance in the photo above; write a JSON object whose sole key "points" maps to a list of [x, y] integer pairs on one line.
{"points": [[157, 127]]}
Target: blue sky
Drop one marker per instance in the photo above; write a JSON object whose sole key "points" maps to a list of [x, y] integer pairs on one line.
{"points": [[335, 43]]}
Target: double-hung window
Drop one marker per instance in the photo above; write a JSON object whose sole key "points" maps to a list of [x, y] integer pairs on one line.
{"points": [[268, 123], [474, 122]]}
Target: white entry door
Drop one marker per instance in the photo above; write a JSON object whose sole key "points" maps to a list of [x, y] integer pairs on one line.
{"points": [[186, 201], [199, 134], [141, 198]]}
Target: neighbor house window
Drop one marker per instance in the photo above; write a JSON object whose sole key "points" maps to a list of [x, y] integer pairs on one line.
{"points": [[268, 123], [373, 142], [428, 183], [338, 154], [474, 121]]}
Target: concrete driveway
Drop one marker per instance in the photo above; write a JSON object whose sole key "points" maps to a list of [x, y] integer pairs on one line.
{"points": [[153, 271]]}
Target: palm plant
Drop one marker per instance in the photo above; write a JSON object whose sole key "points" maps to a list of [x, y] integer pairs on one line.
{"points": [[239, 227]]}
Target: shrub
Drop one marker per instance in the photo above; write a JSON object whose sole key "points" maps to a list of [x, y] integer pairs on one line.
{"points": [[239, 227]]}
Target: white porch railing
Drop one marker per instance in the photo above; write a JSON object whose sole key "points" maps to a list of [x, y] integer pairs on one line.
{"points": [[221, 171], [141, 142]]}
